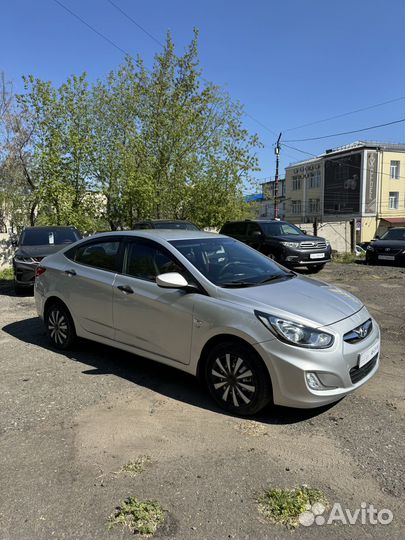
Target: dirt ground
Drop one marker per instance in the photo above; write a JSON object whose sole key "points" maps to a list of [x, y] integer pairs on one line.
{"points": [[69, 422]]}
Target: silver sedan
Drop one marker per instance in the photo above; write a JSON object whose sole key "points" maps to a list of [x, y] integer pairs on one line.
{"points": [[210, 305]]}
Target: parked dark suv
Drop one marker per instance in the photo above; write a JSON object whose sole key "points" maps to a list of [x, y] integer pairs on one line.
{"points": [[165, 224], [390, 248], [282, 241], [34, 244]]}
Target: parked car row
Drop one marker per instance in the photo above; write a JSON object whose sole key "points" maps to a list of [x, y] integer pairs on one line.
{"points": [[281, 241]]}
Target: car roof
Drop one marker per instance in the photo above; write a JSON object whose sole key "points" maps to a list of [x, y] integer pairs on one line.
{"points": [[162, 234], [164, 221], [49, 228]]}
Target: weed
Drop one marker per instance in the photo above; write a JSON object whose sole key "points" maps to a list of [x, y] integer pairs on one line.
{"points": [[6, 274], [141, 517], [283, 506], [133, 468]]}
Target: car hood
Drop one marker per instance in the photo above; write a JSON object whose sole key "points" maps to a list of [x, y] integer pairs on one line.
{"points": [[301, 299], [395, 244], [299, 238], [39, 251]]}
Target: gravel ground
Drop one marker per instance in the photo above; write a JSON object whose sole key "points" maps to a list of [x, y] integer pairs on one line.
{"points": [[69, 422]]}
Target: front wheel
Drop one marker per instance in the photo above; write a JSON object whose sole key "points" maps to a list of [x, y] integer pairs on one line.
{"points": [[59, 326], [237, 379], [315, 268]]}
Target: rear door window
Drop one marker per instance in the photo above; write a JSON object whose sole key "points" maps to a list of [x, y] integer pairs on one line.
{"points": [[238, 228], [252, 229]]}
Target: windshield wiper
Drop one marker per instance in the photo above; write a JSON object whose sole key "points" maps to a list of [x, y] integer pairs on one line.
{"points": [[286, 275]]}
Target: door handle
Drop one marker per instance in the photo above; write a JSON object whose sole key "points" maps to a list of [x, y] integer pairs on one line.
{"points": [[125, 288], [70, 272]]}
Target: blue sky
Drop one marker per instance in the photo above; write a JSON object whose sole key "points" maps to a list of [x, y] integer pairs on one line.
{"points": [[290, 62]]}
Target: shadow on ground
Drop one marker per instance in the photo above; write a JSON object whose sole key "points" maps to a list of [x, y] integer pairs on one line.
{"points": [[7, 289], [173, 383]]}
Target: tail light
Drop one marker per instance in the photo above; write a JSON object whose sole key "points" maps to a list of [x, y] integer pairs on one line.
{"points": [[39, 271]]}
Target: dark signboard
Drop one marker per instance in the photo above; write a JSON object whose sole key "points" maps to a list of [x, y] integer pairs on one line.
{"points": [[371, 184], [342, 184]]}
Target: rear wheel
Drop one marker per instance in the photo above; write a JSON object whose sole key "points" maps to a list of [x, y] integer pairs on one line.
{"points": [[237, 379], [59, 326], [315, 268]]}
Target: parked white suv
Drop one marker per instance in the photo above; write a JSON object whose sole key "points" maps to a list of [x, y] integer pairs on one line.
{"points": [[214, 307]]}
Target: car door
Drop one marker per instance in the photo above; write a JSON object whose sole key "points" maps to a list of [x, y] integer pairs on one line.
{"points": [[152, 319], [88, 283]]}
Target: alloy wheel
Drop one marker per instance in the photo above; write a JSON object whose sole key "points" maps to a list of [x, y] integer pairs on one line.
{"points": [[232, 380], [58, 327]]}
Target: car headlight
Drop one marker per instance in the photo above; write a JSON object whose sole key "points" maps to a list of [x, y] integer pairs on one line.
{"points": [[21, 258], [295, 333], [327, 243], [291, 244], [370, 248]]}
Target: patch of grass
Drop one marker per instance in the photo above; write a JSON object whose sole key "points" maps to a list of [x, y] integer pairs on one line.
{"points": [[283, 506], [346, 258], [141, 517], [6, 274], [133, 468]]}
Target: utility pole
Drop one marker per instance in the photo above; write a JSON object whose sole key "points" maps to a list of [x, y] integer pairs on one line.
{"points": [[277, 152]]}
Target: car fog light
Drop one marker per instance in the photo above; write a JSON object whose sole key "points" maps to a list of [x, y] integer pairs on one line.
{"points": [[313, 382]]}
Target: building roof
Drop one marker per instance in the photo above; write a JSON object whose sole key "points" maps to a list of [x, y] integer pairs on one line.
{"points": [[357, 145]]}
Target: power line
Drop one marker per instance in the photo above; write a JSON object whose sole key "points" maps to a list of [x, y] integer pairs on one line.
{"points": [[346, 114], [107, 39], [135, 23], [346, 132]]}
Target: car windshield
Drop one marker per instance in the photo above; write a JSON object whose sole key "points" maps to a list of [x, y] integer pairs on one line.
{"points": [[229, 263], [43, 237], [394, 234], [278, 228], [175, 225]]}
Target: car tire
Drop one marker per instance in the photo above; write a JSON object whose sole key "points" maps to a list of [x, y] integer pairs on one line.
{"points": [[59, 326], [244, 396], [315, 268]]}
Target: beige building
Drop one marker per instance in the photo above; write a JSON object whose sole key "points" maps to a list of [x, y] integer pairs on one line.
{"points": [[363, 181]]}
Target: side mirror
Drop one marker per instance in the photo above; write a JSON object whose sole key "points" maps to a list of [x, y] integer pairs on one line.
{"points": [[377, 236], [171, 280], [257, 234], [303, 232]]}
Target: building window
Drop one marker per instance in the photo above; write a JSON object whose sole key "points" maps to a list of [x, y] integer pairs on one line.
{"points": [[315, 179], [296, 207], [296, 183], [394, 169], [394, 200], [314, 205]]}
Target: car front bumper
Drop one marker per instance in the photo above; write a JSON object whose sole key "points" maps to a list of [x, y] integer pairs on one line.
{"points": [[375, 257], [295, 257], [336, 368]]}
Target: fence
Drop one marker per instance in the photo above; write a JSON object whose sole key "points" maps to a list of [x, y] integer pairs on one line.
{"points": [[337, 232]]}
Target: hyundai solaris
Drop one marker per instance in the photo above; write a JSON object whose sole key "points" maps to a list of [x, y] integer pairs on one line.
{"points": [[207, 304]]}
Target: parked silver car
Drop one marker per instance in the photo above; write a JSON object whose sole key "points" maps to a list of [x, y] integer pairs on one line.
{"points": [[214, 307]]}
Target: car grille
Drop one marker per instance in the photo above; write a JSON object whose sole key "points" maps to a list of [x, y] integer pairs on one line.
{"points": [[313, 245], [387, 251], [356, 374], [359, 333]]}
